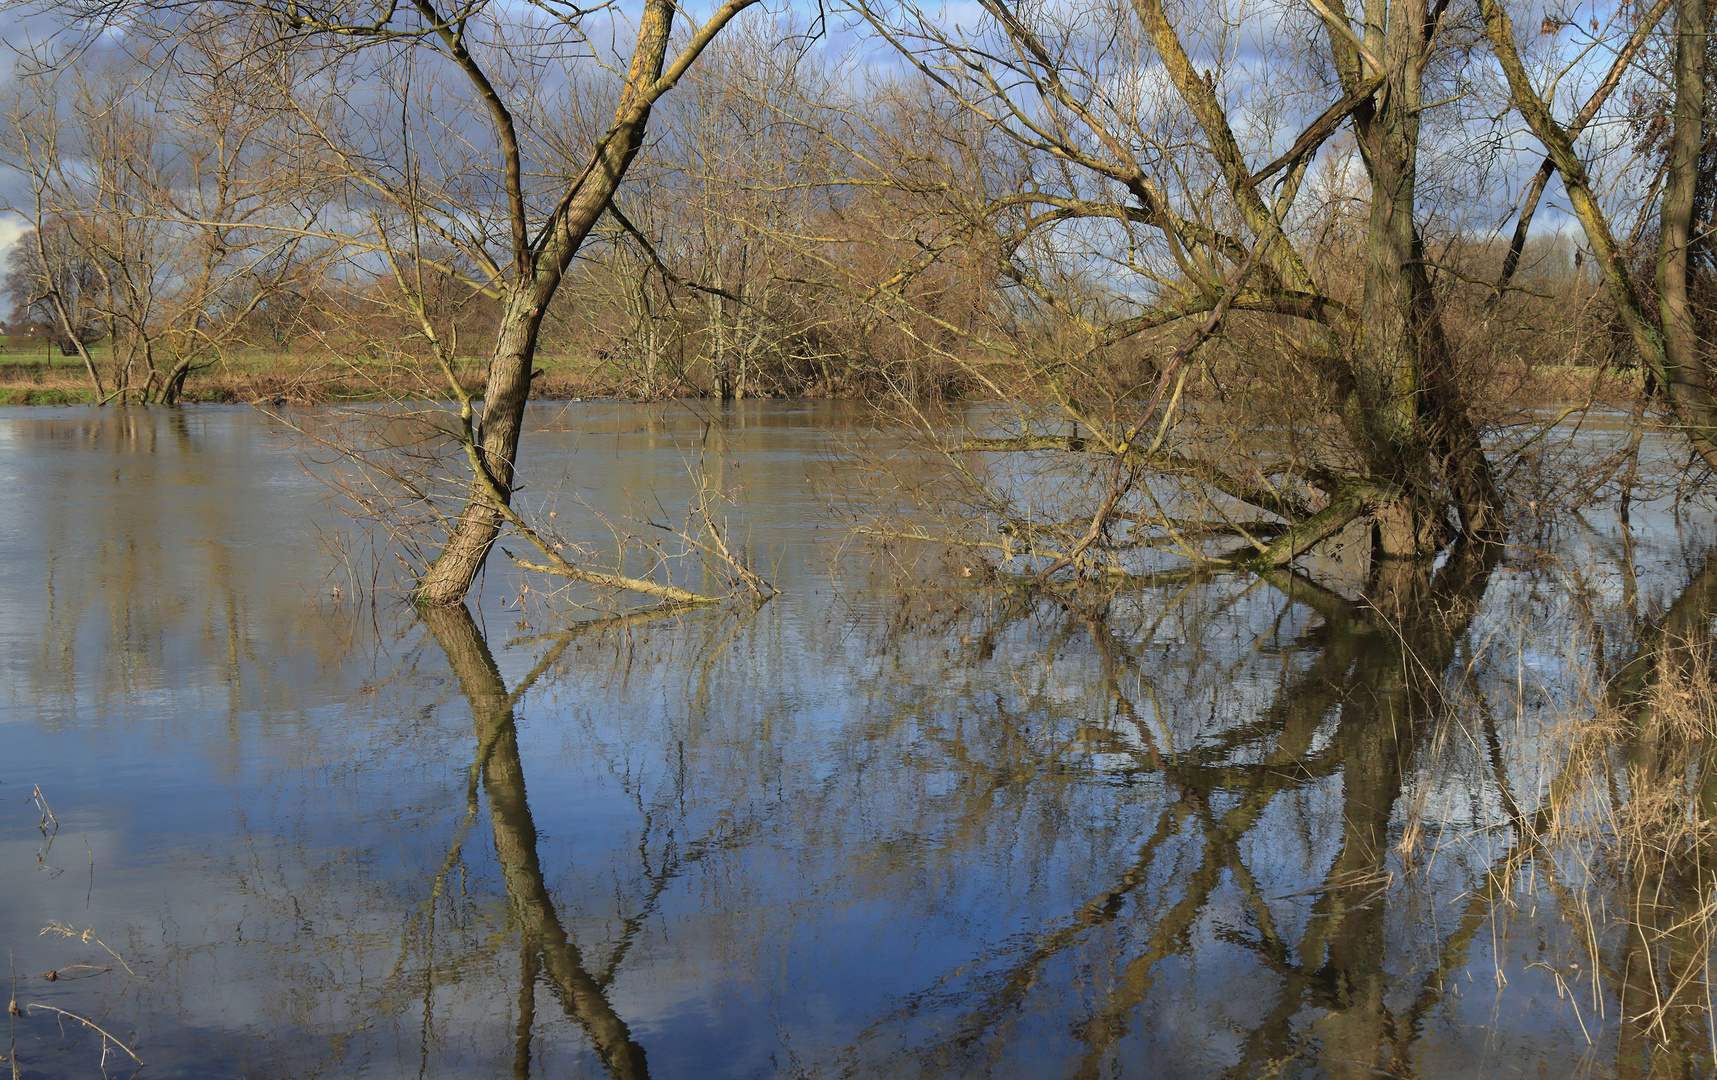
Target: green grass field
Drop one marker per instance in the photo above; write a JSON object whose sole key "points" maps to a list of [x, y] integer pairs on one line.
{"points": [[33, 372]]}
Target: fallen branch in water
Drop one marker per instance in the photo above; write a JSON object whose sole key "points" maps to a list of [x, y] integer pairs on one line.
{"points": [[91, 1024], [60, 973], [557, 565], [41, 802]]}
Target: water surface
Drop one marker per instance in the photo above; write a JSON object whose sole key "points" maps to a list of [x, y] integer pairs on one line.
{"points": [[887, 824]]}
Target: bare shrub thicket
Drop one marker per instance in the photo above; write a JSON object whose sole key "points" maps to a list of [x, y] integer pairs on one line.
{"points": [[759, 255], [165, 213]]}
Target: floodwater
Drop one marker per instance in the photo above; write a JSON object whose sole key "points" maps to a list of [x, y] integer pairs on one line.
{"points": [[891, 823]]}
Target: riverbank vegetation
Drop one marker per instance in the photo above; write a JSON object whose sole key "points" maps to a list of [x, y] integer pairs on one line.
{"points": [[1237, 279], [30, 375], [738, 262]]}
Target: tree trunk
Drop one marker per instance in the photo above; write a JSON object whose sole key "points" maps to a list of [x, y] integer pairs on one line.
{"points": [[173, 386], [508, 388], [1406, 412], [449, 578], [1386, 406], [1681, 182], [721, 360], [1386, 357]]}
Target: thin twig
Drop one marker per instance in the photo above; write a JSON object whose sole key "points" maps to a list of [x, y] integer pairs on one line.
{"points": [[86, 936], [12, 1014], [48, 817], [92, 1025]]}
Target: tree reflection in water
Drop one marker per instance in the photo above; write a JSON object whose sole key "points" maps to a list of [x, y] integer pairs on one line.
{"points": [[1226, 825], [544, 945], [1381, 681], [1339, 944]]}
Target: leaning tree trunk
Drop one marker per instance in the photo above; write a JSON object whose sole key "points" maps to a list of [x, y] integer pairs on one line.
{"points": [[1452, 436], [173, 386], [508, 388], [504, 397], [1670, 347]]}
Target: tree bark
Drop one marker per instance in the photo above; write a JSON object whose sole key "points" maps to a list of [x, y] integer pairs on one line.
{"points": [[508, 388], [1386, 357], [1681, 181], [1406, 411]]}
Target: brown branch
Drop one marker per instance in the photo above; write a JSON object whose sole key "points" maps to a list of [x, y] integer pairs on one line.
{"points": [[1529, 205], [91, 1025], [559, 566], [1322, 128], [1357, 500]]}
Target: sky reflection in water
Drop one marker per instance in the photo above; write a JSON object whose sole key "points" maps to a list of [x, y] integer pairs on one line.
{"points": [[861, 831]]}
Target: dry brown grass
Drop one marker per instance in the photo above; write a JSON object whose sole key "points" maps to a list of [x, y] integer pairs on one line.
{"points": [[1622, 845]]}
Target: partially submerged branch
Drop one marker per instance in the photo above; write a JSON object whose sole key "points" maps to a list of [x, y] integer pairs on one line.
{"points": [[557, 565]]}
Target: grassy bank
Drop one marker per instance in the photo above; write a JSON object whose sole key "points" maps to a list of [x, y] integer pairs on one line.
{"points": [[33, 373]]}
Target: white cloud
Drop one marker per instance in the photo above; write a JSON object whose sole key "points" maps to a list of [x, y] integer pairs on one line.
{"points": [[10, 229]]}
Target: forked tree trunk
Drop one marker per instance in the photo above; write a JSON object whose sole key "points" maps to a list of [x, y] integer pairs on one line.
{"points": [[1400, 408], [1405, 411], [173, 386], [1668, 345], [508, 388]]}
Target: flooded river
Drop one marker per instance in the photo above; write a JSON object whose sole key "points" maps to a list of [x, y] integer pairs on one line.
{"points": [[889, 824]]}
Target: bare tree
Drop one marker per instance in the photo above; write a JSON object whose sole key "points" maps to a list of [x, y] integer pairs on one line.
{"points": [[706, 264], [1667, 340], [163, 196], [54, 287], [1145, 213], [521, 236], [434, 115]]}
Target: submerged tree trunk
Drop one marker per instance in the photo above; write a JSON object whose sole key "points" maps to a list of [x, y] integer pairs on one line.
{"points": [[173, 385], [1406, 411], [1403, 409], [540, 257], [504, 397]]}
